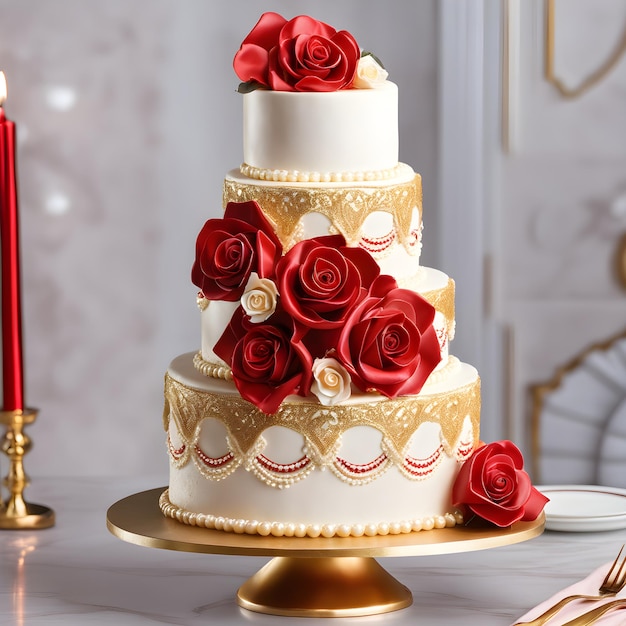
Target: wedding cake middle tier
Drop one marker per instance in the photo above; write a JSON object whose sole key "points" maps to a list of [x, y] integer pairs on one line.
{"points": [[383, 217]]}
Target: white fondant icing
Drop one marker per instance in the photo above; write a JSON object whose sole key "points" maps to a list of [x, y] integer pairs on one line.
{"points": [[320, 498], [298, 529], [350, 130], [213, 321]]}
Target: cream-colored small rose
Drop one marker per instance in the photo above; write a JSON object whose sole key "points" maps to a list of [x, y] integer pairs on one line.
{"points": [[259, 298], [331, 382], [369, 73]]}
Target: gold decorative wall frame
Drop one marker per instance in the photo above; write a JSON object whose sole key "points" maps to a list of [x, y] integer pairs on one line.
{"points": [[594, 77], [540, 392]]}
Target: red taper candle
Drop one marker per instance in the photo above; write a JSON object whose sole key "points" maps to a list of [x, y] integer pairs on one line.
{"points": [[12, 364]]}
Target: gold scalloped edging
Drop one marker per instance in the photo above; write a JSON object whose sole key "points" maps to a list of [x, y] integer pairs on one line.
{"points": [[396, 418], [294, 529], [297, 176], [345, 207], [443, 301], [284, 475]]}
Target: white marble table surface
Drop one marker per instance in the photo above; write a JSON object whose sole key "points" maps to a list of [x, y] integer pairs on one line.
{"points": [[79, 573]]}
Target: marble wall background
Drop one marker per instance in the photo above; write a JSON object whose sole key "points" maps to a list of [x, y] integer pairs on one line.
{"points": [[128, 119], [561, 197]]}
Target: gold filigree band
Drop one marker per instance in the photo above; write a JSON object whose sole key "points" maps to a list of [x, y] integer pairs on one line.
{"points": [[443, 301], [397, 419], [345, 207]]}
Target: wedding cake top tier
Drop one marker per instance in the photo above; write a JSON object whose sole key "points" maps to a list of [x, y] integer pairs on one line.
{"points": [[346, 135], [316, 108]]}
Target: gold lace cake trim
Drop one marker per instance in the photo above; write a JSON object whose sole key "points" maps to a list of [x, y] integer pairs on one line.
{"points": [[291, 529], [345, 207], [443, 301], [322, 427]]}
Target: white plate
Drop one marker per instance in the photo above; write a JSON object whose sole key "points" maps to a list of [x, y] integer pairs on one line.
{"points": [[584, 508]]}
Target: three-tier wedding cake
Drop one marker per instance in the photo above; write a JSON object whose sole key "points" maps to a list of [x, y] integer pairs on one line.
{"points": [[323, 400]]}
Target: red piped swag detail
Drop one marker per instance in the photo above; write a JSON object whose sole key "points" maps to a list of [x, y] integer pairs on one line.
{"points": [[214, 462], [358, 469], [176, 453], [422, 467], [282, 468], [378, 245]]}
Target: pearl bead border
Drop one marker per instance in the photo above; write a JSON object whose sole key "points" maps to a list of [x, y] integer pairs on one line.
{"points": [[291, 529], [211, 370], [295, 176]]}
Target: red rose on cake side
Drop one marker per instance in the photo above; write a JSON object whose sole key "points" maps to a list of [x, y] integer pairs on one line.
{"points": [[267, 363], [388, 343], [321, 280], [302, 54], [229, 249], [493, 485]]}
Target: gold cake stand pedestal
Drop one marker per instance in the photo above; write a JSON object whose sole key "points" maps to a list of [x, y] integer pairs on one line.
{"points": [[334, 577]]}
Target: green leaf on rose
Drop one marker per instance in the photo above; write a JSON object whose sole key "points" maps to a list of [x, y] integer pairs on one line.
{"points": [[249, 86]]}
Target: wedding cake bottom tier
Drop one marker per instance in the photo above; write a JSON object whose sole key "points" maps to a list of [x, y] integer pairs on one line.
{"points": [[370, 466]]}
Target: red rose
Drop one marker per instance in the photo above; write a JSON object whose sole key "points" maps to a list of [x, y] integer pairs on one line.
{"points": [[229, 249], [493, 485], [388, 343], [301, 54], [321, 280], [266, 363]]}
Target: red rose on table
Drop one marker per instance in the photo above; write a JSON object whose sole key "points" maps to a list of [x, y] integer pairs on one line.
{"points": [[229, 249], [493, 485], [266, 363], [388, 343], [321, 280], [301, 54]]}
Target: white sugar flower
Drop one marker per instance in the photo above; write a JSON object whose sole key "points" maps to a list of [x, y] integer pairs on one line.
{"points": [[259, 298], [332, 381], [369, 73]]}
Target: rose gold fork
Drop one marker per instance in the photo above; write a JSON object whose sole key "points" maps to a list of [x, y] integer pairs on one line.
{"points": [[613, 583], [591, 617]]}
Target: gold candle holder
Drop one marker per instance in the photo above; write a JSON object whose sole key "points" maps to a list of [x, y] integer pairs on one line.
{"points": [[15, 512]]}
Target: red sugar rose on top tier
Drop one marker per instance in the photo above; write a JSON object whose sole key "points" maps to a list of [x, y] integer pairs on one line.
{"points": [[266, 362], [301, 54], [321, 280], [228, 250], [493, 485], [388, 343]]}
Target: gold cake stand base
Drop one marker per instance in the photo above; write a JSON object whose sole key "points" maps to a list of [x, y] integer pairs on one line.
{"points": [[334, 577]]}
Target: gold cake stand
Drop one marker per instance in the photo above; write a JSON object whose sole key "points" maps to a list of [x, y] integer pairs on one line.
{"points": [[334, 577]]}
